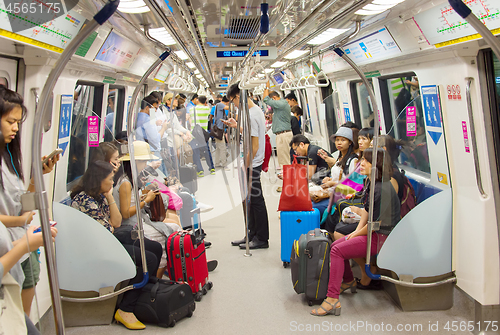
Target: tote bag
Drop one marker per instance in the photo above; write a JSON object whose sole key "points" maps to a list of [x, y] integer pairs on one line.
{"points": [[295, 191]]}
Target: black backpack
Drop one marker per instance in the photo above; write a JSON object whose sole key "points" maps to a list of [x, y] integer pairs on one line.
{"points": [[164, 302]]}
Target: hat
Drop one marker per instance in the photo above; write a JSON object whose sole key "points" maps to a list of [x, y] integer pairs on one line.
{"points": [[168, 96], [344, 132], [142, 152]]}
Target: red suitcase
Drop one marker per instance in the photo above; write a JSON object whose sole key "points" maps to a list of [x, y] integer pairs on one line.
{"points": [[187, 260]]}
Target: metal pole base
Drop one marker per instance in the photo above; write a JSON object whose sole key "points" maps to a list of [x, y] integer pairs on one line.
{"points": [[249, 254]]}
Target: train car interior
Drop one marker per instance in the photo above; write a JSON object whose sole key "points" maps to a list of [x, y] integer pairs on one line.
{"points": [[181, 109]]}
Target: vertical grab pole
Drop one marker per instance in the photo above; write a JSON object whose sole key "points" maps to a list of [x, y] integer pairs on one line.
{"points": [[245, 174], [131, 117], [172, 116], [376, 133], [41, 199]]}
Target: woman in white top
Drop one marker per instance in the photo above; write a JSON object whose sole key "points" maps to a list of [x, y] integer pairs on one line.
{"points": [[13, 112], [347, 160]]}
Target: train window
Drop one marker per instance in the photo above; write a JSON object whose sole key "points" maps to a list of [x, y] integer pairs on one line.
{"points": [[398, 93], [114, 112], [362, 105], [87, 102], [4, 82], [332, 106]]}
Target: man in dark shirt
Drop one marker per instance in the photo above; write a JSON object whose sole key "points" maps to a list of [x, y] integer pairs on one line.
{"points": [[291, 99], [295, 120], [302, 147]]}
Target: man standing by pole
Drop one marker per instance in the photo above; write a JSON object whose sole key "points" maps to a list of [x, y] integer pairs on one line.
{"points": [[281, 124], [258, 223]]}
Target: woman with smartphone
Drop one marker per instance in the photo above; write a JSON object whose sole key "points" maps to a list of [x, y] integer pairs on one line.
{"points": [[12, 114], [156, 231]]}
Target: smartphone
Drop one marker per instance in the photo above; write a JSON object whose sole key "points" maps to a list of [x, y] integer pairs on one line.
{"points": [[39, 229], [52, 154]]}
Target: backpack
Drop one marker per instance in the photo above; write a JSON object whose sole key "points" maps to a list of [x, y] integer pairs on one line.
{"points": [[409, 200], [403, 98]]}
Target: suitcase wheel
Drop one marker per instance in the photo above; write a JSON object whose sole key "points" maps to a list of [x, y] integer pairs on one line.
{"points": [[286, 264], [204, 290], [309, 302], [210, 285], [172, 324], [197, 296], [190, 313]]}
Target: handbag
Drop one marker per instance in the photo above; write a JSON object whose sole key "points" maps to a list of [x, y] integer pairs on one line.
{"points": [[174, 201], [318, 196], [12, 320], [295, 190], [217, 132], [157, 209]]}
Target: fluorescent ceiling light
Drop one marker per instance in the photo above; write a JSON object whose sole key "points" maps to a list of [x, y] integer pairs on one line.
{"points": [[191, 65], [387, 2], [268, 70], [133, 6], [162, 35], [327, 35], [197, 71], [296, 53], [278, 64], [181, 54], [378, 6]]}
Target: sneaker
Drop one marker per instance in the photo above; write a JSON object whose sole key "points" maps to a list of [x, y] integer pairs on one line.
{"points": [[212, 171], [201, 174], [204, 207]]}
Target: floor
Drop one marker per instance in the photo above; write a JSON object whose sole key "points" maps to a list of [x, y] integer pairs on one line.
{"points": [[254, 295]]}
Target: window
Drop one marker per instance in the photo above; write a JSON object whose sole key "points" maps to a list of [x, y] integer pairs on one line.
{"points": [[87, 102], [114, 112], [304, 104], [362, 105], [399, 93], [332, 104]]}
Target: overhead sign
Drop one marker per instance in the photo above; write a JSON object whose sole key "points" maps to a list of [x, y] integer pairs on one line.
{"points": [[222, 85], [118, 51], [432, 111], [442, 26], [238, 53], [162, 73], [241, 53], [65, 114], [376, 46]]}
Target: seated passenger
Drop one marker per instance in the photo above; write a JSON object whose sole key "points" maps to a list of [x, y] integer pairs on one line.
{"points": [[385, 209], [93, 196], [347, 160], [393, 148], [318, 167], [123, 192]]}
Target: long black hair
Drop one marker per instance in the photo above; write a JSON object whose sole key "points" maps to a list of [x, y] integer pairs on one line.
{"points": [[12, 156], [384, 165], [92, 179]]}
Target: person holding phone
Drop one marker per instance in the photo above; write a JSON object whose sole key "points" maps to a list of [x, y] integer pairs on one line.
{"points": [[12, 186], [123, 193]]}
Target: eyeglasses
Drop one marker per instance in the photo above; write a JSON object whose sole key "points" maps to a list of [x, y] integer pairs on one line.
{"points": [[231, 101]]}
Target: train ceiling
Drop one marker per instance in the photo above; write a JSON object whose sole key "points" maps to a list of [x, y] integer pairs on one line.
{"points": [[195, 28]]}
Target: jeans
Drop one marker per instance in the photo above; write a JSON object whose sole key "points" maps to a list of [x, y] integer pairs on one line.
{"points": [[258, 223], [341, 252], [196, 157], [220, 152]]}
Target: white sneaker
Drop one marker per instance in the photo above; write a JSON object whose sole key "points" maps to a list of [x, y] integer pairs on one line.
{"points": [[204, 207]]}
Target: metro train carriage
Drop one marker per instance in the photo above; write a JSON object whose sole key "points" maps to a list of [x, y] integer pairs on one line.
{"points": [[164, 105]]}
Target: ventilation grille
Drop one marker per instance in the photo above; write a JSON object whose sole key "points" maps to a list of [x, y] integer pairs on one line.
{"points": [[242, 27]]}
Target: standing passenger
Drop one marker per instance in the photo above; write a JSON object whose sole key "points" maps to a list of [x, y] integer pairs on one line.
{"points": [[258, 224], [219, 117], [281, 124], [13, 112]]}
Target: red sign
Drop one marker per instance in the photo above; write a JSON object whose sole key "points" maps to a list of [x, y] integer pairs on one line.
{"points": [[454, 92]]}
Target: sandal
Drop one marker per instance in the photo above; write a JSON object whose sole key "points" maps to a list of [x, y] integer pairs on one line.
{"points": [[334, 310], [352, 286]]}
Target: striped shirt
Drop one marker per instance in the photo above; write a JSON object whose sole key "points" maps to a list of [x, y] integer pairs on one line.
{"points": [[201, 116]]}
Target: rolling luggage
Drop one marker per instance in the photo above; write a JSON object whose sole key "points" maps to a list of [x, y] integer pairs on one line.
{"points": [[164, 302], [188, 177], [187, 260], [310, 265], [294, 224]]}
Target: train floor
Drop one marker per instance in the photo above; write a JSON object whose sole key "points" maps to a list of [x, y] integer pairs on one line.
{"points": [[254, 295]]}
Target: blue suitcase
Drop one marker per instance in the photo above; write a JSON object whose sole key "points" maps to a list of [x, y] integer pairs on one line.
{"points": [[294, 224]]}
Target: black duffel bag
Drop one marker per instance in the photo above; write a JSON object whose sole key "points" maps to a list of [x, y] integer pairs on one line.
{"points": [[164, 302]]}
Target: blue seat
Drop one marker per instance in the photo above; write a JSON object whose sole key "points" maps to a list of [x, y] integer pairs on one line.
{"points": [[423, 191], [87, 255], [420, 245]]}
